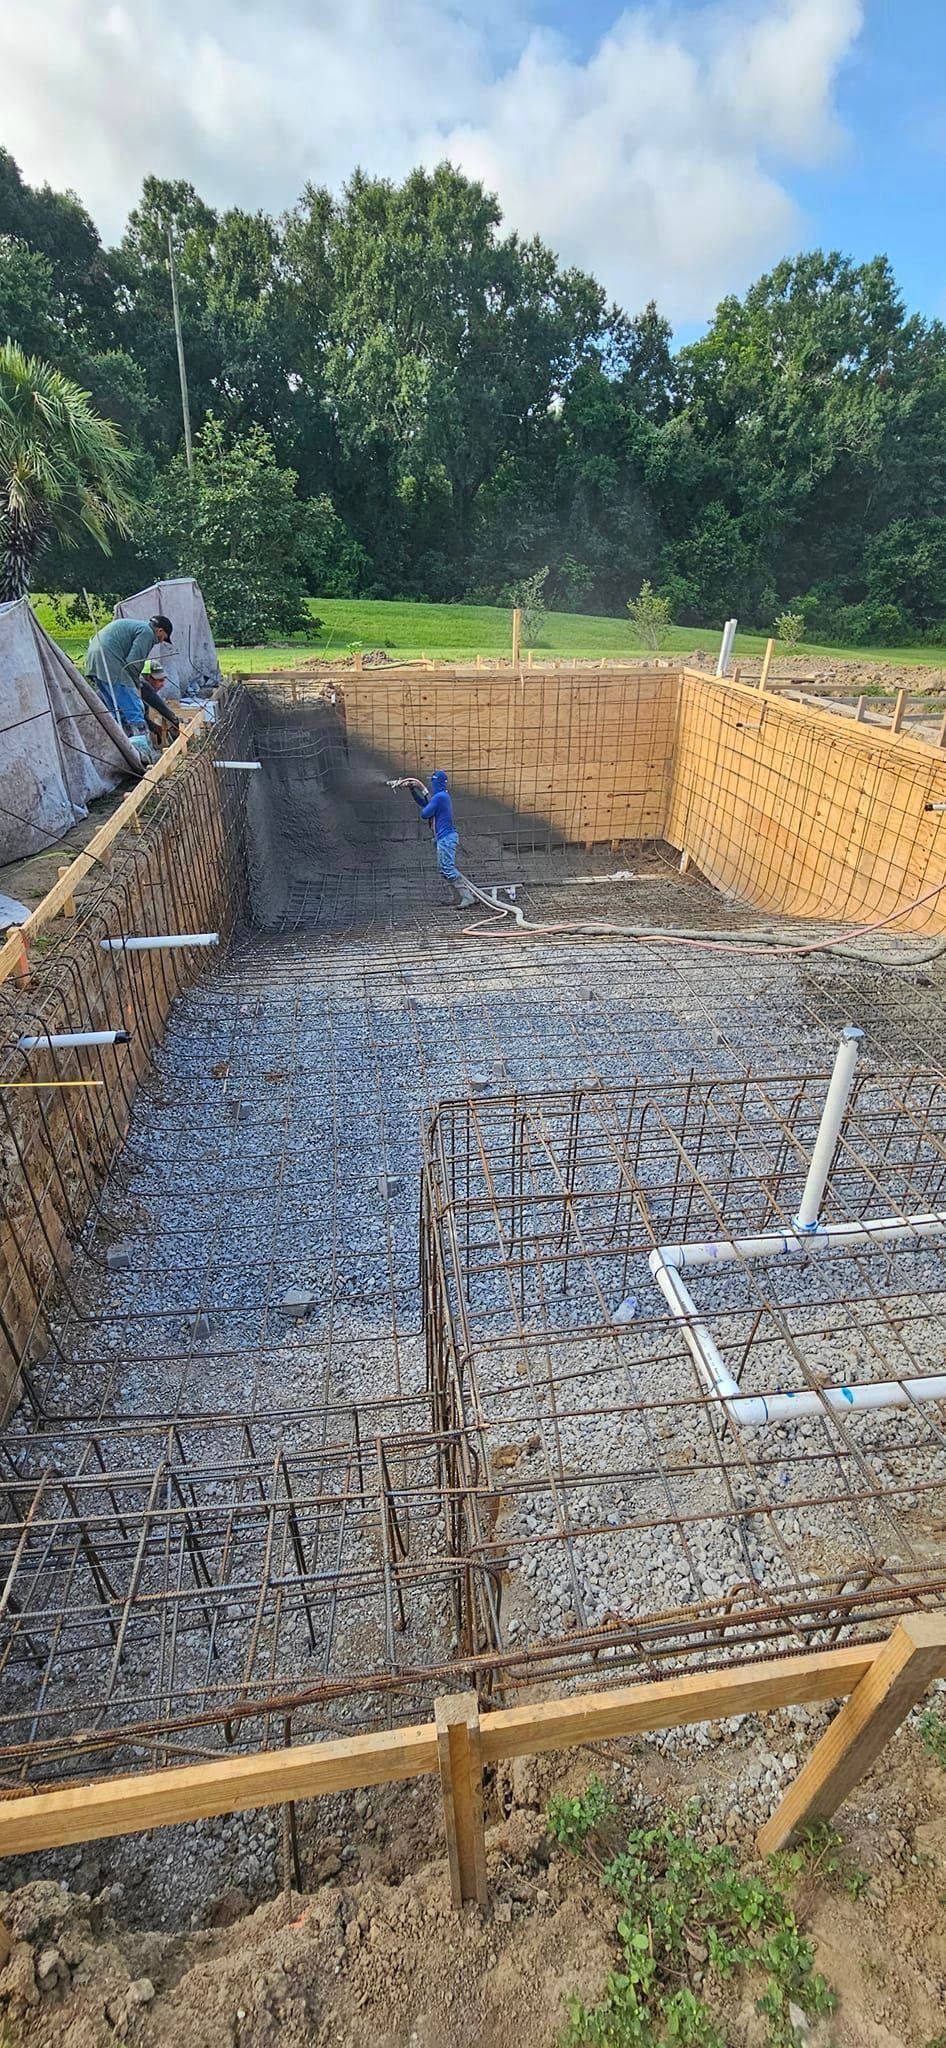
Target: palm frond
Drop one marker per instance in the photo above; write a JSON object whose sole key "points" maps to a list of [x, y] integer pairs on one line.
{"points": [[63, 468]]}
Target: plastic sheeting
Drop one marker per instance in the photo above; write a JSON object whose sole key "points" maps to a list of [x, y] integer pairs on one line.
{"points": [[190, 663], [59, 747]]}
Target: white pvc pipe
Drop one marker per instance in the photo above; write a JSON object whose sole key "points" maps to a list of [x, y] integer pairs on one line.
{"points": [[56, 1039], [808, 1234], [770, 1244], [158, 944], [752, 1410], [832, 1117], [726, 647], [238, 764]]}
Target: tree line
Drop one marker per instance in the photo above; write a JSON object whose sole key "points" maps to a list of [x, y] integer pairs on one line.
{"points": [[393, 397]]}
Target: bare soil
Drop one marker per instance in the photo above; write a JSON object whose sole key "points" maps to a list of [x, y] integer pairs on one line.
{"points": [[375, 1957]]}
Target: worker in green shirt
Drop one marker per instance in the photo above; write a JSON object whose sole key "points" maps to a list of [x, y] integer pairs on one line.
{"points": [[114, 663]]}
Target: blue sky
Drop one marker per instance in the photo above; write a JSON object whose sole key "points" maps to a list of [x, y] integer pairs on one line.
{"points": [[886, 191], [889, 191], [674, 148]]}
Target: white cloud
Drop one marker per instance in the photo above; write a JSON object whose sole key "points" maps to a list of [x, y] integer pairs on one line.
{"points": [[657, 162]]}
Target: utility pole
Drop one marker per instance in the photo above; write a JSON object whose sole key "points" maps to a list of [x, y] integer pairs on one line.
{"points": [[185, 404]]}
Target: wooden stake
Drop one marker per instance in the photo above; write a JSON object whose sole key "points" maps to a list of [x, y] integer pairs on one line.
{"points": [[908, 1662], [516, 637], [21, 967], [766, 663], [860, 712], [68, 902], [457, 1720], [897, 719], [684, 861], [941, 735]]}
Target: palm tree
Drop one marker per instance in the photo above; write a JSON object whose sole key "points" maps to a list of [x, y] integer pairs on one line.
{"points": [[63, 469]]}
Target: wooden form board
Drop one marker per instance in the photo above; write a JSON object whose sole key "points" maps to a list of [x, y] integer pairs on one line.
{"points": [[116, 1806], [591, 755], [799, 813], [98, 849]]}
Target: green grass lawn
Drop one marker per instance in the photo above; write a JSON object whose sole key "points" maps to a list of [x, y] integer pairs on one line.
{"points": [[458, 632]]}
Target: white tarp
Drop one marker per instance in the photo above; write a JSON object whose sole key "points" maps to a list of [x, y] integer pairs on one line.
{"points": [[59, 747], [190, 662]]}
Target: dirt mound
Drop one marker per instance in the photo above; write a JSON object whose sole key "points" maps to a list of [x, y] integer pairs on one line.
{"points": [[372, 657], [856, 676], [376, 1958]]}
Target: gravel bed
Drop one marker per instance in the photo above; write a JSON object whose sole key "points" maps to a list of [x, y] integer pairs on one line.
{"points": [[277, 1149]]}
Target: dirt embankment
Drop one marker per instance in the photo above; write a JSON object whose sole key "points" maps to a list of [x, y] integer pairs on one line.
{"points": [[855, 676], [375, 1958]]}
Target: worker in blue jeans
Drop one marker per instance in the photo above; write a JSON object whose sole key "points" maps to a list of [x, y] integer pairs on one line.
{"points": [[438, 810]]}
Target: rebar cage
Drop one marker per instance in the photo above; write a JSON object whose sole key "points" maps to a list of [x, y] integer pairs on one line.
{"points": [[609, 1505]]}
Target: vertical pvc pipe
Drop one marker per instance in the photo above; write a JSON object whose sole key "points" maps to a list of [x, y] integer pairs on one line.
{"points": [[725, 652], [832, 1117]]}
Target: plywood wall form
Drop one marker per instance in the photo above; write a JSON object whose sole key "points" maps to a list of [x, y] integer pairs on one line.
{"points": [[806, 814], [57, 1144], [590, 753], [792, 809]]}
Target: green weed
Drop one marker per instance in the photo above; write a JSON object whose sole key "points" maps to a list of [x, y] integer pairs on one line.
{"points": [[689, 1920], [821, 1853], [933, 1735], [571, 1821]]}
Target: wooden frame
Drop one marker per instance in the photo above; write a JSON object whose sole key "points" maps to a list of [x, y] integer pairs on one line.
{"points": [[14, 953], [881, 1681]]}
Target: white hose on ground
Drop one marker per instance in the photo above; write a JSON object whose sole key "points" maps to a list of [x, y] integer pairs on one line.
{"points": [[721, 941]]}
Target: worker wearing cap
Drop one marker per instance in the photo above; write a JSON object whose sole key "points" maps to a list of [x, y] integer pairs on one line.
{"points": [[114, 663], [438, 810]]}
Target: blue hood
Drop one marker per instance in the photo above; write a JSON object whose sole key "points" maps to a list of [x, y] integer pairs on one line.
{"points": [[438, 781]]}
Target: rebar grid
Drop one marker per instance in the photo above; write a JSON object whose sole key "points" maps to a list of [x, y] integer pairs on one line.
{"points": [[803, 815], [615, 1502], [181, 869], [217, 1578]]}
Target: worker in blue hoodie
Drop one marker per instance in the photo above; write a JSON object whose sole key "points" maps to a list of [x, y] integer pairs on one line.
{"points": [[438, 810]]}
